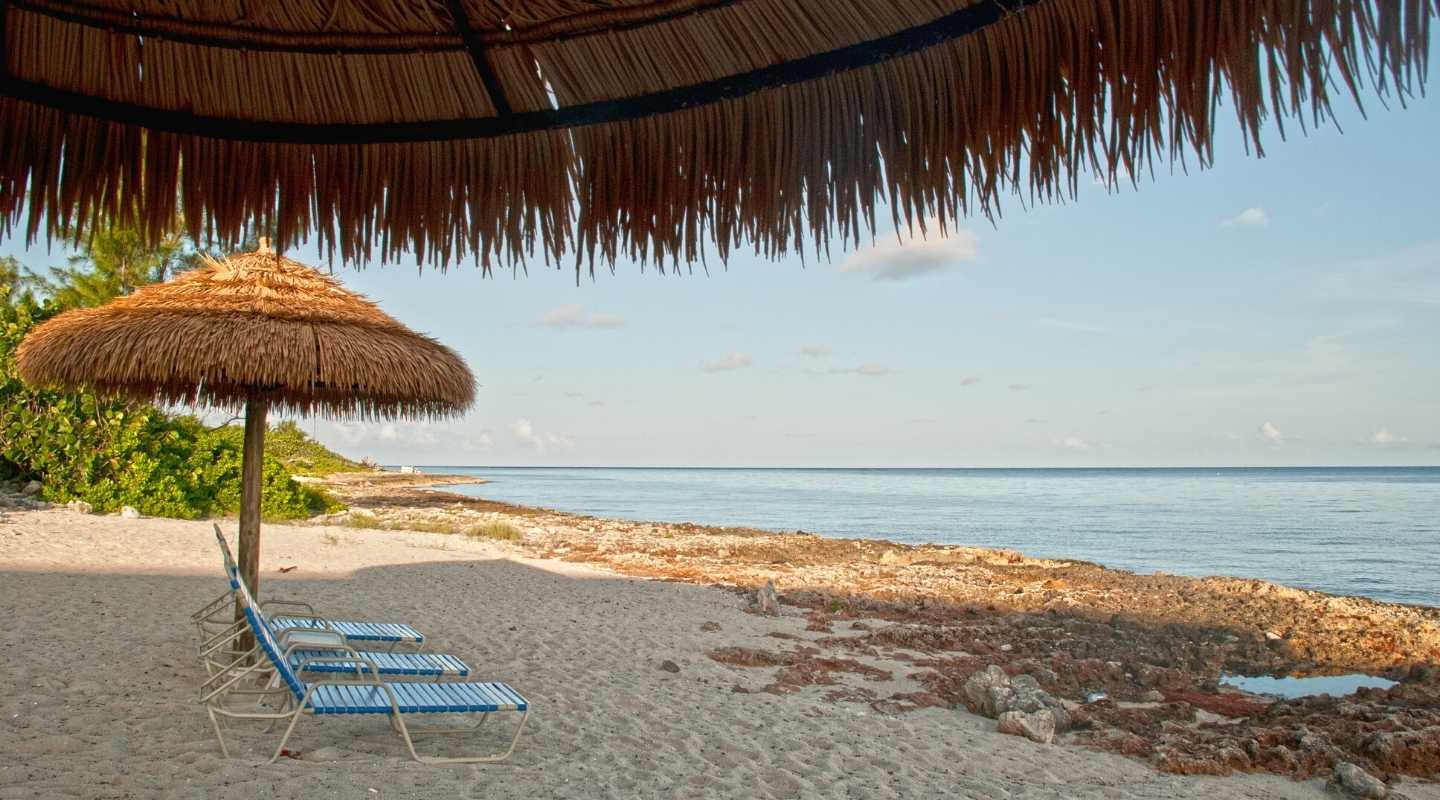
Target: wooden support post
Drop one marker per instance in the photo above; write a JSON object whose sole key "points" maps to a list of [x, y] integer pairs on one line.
{"points": [[252, 470]]}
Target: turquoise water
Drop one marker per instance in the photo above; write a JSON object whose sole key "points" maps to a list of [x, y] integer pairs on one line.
{"points": [[1333, 685], [1366, 531]]}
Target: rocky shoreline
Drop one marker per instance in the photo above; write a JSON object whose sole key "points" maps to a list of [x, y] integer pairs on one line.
{"points": [[1122, 662]]}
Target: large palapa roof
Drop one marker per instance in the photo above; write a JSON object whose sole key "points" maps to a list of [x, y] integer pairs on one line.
{"points": [[524, 129]]}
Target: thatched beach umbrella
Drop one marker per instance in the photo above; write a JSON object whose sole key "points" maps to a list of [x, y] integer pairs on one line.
{"points": [[455, 127], [257, 330]]}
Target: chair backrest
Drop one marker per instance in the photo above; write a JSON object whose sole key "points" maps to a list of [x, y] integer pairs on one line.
{"points": [[267, 642], [232, 570]]}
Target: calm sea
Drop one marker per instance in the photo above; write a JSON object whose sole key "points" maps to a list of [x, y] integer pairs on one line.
{"points": [[1367, 531]]}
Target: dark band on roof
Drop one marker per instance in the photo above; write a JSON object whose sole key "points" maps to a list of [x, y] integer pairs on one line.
{"points": [[961, 23]]}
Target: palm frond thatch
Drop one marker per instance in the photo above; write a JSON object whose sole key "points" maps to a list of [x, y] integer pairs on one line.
{"points": [[454, 128], [258, 324]]}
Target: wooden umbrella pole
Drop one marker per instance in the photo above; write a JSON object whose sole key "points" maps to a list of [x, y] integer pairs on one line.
{"points": [[252, 470]]}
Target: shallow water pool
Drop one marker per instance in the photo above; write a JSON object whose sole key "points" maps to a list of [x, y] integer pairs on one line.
{"points": [[1289, 688]]}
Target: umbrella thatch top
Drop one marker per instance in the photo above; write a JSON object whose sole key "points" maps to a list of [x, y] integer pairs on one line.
{"points": [[455, 127], [253, 323]]}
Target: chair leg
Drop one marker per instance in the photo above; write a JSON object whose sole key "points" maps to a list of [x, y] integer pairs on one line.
{"points": [[294, 719], [219, 737], [410, 745]]}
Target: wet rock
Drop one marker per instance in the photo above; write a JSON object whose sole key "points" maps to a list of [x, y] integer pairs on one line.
{"points": [[767, 600], [669, 666], [1037, 726], [31, 489], [129, 512], [1349, 780], [80, 507]]}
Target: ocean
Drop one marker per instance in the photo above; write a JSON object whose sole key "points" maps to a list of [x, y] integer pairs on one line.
{"points": [[1364, 531]]}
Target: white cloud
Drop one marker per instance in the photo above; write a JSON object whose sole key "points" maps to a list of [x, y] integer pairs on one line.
{"points": [[1384, 437], [358, 433], [730, 362], [815, 351], [1271, 434], [1074, 443], [969, 380], [574, 316], [525, 433], [1249, 218], [480, 441], [1019, 387], [894, 260]]}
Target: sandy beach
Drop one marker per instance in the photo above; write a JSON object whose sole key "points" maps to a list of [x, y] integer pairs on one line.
{"points": [[99, 673]]}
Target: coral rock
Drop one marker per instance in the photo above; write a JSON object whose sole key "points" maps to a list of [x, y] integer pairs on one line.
{"points": [[767, 601], [1349, 780], [1037, 726]]}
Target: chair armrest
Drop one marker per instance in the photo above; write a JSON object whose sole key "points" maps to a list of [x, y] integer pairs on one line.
{"points": [[334, 637], [363, 666], [309, 609], [371, 676]]}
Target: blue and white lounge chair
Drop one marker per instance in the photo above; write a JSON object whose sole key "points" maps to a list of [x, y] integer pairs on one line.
{"points": [[313, 648], [367, 694], [216, 621], [323, 651]]}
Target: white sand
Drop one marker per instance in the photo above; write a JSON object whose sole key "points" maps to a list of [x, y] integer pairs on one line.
{"points": [[97, 676]]}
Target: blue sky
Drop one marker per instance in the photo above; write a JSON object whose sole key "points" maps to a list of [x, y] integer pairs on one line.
{"points": [[1273, 311]]}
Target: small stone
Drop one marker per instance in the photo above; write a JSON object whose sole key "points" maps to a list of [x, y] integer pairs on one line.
{"points": [[669, 666], [31, 489], [1351, 781], [1095, 697], [1153, 696], [767, 601], [1272, 636], [1037, 726], [129, 512], [80, 507], [710, 627]]}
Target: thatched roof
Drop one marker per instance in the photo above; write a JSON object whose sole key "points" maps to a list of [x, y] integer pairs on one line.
{"points": [[251, 322], [639, 127]]}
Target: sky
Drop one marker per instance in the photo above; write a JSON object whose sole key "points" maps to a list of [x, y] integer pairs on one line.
{"points": [[1263, 312]]}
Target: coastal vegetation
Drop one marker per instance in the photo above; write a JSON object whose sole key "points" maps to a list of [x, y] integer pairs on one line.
{"points": [[110, 452], [495, 530]]}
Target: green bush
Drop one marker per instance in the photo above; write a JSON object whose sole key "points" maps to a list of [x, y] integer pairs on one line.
{"points": [[112, 453]]}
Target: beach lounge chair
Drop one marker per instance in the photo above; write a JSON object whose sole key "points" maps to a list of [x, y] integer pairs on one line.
{"points": [[365, 694], [322, 651], [216, 621]]}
